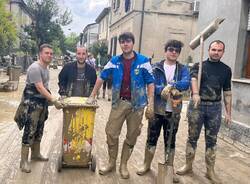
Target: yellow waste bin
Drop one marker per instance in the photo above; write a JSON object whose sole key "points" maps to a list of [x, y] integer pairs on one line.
{"points": [[77, 136]]}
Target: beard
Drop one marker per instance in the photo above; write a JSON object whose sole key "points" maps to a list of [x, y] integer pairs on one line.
{"points": [[81, 62]]}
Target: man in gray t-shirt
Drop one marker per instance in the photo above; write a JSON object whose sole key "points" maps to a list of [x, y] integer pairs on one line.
{"points": [[36, 73], [33, 109]]}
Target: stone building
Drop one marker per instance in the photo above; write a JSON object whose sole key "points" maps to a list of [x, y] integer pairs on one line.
{"points": [[153, 22], [90, 34], [20, 14], [103, 20]]}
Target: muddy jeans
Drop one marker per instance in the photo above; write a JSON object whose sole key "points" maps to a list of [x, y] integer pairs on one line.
{"points": [[154, 129], [118, 115], [36, 116], [209, 114]]}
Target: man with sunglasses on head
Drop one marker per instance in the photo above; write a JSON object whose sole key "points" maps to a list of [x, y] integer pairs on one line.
{"points": [[131, 73], [205, 107], [171, 79]]}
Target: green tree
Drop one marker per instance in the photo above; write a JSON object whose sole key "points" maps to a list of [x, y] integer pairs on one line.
{"points": [[7, 30], [47, 22], [100, 51], [71, 42]]}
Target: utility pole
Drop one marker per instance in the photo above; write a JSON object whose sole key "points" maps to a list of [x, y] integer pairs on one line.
{"points": [[141, 28]]}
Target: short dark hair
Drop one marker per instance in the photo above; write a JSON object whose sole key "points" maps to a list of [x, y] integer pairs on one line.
{"points": [[173, 43], [218, 42], [126, 36], [45, 45]]}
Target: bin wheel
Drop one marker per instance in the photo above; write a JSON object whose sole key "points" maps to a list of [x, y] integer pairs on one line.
{"points": [[93, 163]]}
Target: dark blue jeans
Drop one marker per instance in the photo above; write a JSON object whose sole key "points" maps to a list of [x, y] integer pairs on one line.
{"points": [[209, 114], [154, 129]]}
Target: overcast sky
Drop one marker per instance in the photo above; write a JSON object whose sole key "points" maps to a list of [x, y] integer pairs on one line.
{"points": [[84, 12]]}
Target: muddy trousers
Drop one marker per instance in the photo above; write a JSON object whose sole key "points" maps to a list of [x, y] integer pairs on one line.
{"points": [[209, 114], [154, 129], [118, 115], [33, 130]]}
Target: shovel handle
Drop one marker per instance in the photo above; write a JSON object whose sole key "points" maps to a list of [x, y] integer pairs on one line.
{"points": [[200, 62]]}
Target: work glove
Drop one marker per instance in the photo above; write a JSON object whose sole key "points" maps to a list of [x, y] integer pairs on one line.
{"points": [[166, 92], [62, 97], [176, 97], [57, 103], [91, 101], [196, 100], [149, 114]]}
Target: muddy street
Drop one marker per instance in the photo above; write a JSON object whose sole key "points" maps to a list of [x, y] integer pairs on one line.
{"points": [[232, 165]]}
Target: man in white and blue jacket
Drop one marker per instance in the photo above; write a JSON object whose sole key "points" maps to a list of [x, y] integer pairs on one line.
{"points": [[131, 74], [171, 78]]}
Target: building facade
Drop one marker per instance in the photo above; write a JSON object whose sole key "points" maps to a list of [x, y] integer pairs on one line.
{"points": [[90, 35], [235, 33], [21, 16], [153, 22], [103, 20]]}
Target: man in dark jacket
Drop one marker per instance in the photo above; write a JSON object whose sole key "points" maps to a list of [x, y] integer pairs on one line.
{"points": [[171, 78], [77, 78]]}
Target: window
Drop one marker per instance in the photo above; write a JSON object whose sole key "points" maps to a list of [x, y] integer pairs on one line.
{"points": [[127, 5], [116, 4], [113, 46]]}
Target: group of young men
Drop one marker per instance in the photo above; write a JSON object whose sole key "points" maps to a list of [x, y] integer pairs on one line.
{"points": [[136, 84]]}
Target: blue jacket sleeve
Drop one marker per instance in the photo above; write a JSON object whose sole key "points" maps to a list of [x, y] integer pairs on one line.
{"points": [[107, 71], [184, 83], [148, 73]]}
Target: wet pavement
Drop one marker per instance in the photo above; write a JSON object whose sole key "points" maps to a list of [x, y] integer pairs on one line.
{"points": [[232, 165]]}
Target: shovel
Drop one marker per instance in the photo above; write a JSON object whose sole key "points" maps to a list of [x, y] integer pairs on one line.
{"points": [[166, 172]]}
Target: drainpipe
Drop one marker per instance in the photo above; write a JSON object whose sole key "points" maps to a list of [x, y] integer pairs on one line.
{"points": [[141, 28]]}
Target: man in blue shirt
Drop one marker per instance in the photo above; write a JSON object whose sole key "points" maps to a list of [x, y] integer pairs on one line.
{"points": [[131, 74]]}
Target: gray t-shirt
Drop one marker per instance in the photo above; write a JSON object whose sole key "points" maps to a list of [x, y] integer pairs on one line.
{"points": [[37, 73]]}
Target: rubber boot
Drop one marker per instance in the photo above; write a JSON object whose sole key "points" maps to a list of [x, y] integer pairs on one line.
{"points": [[103, 93], [111, 166], [24, 164], [126, 153], [109, 94], [149, 155], [210, 162], [170, 162], [36, 154], [187, 168]]}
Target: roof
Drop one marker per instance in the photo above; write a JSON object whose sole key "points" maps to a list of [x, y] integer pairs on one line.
{"points": [[104, 12], [89, 25]]}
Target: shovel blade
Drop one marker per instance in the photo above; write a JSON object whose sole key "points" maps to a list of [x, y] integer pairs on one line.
{"points": [[165, 174]]}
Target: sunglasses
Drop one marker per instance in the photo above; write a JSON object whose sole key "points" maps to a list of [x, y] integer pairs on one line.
{"points": [[172, 49], [125, 41]]}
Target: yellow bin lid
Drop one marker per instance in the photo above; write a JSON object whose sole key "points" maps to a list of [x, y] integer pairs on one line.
{"points": [[76, 102]]}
